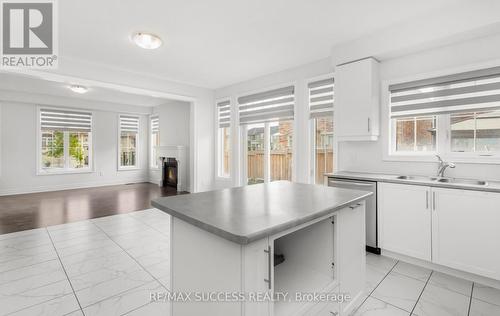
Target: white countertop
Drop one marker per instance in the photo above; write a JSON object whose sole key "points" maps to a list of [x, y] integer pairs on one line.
{"points": [[249, 213], [491, 186]]}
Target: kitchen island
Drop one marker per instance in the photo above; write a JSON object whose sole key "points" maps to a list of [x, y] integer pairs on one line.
{"points": [[278, 248]]}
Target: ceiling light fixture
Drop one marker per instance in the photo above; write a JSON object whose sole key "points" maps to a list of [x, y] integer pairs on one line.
{"points": [[147, 40], [78, 89]]}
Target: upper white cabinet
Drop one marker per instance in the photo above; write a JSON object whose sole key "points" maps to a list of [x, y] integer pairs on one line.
{"points": [[465, 231], [357, 91], [405, 219]]}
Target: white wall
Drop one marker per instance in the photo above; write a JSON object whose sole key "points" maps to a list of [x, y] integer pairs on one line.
{"points": [[368, 156], [174, 123], [202, 104], [175, 129], [18, 152], [299, 77]]}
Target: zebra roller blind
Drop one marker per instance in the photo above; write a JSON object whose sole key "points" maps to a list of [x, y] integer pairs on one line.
{"points": [[65, 120], [321, 97], [477, 90], [224, 113], [272, 105], [155, 124], [129, 123]]}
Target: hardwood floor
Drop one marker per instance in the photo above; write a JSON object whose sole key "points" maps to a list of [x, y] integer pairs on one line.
{"points": [[34, 210]]}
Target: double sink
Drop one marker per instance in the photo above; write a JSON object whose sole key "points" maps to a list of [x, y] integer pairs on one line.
{"points": [[444, 180]]}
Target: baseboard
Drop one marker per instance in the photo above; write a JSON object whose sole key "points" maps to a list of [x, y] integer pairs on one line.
{"points": [[443, 269], [374, 250], [61, 187]]}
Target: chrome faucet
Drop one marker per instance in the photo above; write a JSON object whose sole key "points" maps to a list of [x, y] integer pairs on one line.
{"points": [[443, 165]]}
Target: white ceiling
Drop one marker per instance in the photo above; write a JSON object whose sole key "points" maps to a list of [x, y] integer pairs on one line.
{"points": [[32, 85], [214, 43]]}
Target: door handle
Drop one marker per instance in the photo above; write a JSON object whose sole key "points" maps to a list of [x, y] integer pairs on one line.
{"points": [[268, 280], [354, 184]]}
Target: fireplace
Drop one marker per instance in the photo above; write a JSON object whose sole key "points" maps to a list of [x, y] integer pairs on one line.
{"points": [[174, 170], [169, 172]]}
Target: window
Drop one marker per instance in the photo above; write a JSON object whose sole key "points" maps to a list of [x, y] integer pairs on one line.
{"points": [[323, 147], [268, 120], [65, 140], [223, 138], [321, 98], [456, 115], [154, 123], [415, 134], [281, 150], [475, 132], [128, 143], [255, 153]]}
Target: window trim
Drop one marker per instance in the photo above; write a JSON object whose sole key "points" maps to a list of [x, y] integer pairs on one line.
{"points": [[312, 129], [44, 172], [218, 148], [443, 145], [137, 145], [150, 142]]}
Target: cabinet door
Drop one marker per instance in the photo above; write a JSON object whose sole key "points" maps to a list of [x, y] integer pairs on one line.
{"points": [[405, 219], [351, 255], [466, 231], [326, 308], [357, 100], [257, 268]]}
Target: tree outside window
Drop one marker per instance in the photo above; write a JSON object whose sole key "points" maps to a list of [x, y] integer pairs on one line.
{"points": [[65, 150]]}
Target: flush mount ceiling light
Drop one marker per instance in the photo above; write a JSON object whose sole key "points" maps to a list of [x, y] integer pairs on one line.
{"points": [[146, 40], [78, 88]]}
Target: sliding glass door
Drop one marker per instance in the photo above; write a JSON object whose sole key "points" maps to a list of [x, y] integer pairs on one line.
{"points": [[280, 157], [255, 153], [269, 149]]}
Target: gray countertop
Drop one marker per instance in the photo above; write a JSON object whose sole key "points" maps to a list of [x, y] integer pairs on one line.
{"points": [[249, 213], [491, 186]]}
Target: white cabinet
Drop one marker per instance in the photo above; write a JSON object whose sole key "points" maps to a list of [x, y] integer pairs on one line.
{"points": [[258, 276], [324, 255], [357, 87], [405, 219], [466, 231], [459, 227]]}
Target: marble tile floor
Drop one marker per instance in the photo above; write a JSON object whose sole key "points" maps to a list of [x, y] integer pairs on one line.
{"points": [[110, 265], [103, 266], [396, 288]]}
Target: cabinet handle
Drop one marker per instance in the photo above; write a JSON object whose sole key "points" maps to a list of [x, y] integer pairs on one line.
{"points": [[354, 206], [426, 200], [268, 280], [369, 127], [434, 201]]}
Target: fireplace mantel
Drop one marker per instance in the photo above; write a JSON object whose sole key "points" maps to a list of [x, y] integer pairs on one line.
{"points": [[180, 153]]}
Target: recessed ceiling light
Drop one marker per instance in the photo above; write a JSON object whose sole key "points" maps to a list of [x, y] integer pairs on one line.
{"points": [[78, 89], [146, 40]]}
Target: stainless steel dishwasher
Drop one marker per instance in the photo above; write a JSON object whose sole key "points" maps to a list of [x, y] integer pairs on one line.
{"points": [[371, 207]]}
